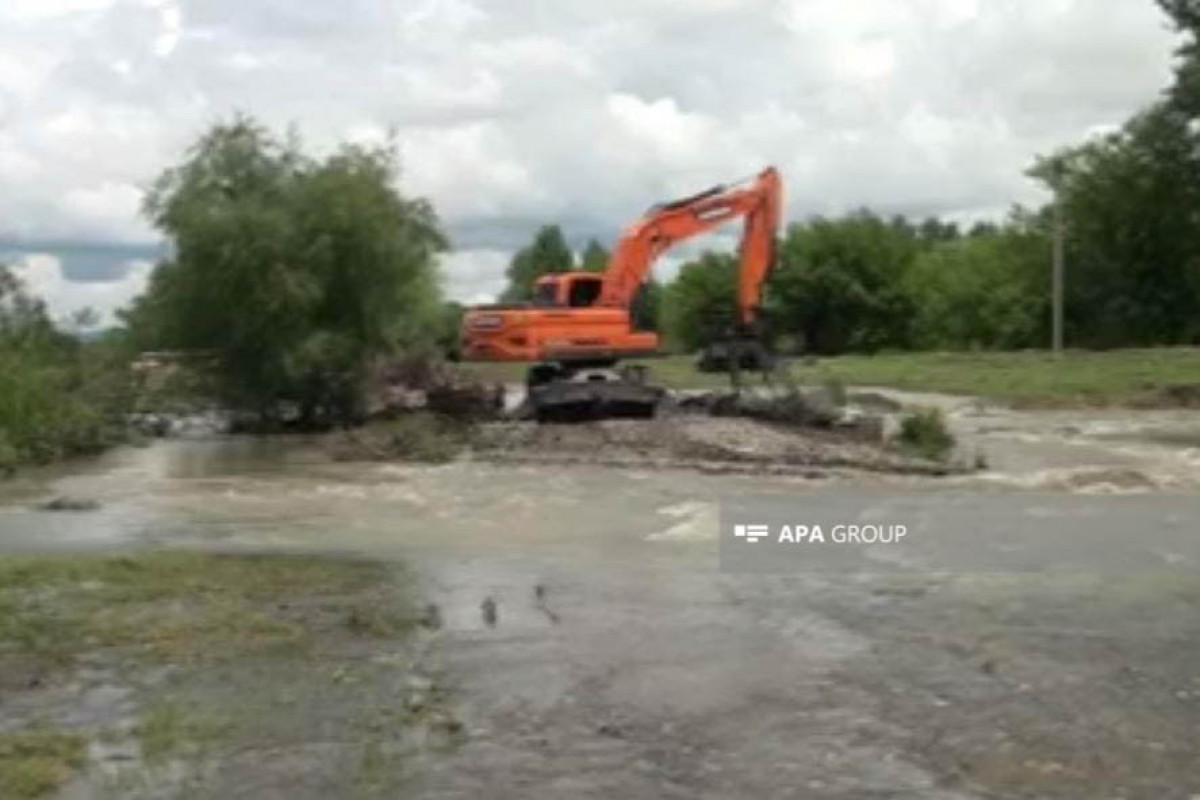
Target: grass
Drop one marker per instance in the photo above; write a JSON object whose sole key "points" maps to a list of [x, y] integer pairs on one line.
{"points": [[1132, 377], [165, 728], [250, 640], [924, 433], [35, 762], [162, 606]]}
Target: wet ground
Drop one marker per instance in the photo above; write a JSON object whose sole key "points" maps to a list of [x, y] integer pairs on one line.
{"points": [[591, 647]]}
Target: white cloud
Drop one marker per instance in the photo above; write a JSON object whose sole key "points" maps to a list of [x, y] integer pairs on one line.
{"points": [[514, 114], [42, 276], [474, 276]]}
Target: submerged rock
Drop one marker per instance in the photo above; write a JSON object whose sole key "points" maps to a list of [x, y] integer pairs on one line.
{"points": [[67, 503]]}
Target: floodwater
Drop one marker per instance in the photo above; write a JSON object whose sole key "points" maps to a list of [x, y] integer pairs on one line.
{"points": [[622, 662]]}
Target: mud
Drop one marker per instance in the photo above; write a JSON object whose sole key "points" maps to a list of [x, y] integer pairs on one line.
{"points": [[696, 441]]}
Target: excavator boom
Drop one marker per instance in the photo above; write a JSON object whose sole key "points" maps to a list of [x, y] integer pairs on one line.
{"points": [[584, 317], [757, 201]]}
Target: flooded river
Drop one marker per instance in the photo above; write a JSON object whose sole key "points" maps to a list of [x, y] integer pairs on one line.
{"points": [[620, 661]]}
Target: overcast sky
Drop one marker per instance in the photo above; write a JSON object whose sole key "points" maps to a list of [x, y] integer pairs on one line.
{"points": [[512, 113]]}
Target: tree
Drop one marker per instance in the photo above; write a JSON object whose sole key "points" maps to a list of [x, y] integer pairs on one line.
{"points": [[547, 253], [295, 272], [449, 323], [1131, 201], [839, 284], [58, 396], [1185, 92], [700, 305], [646, 307], [595, 257], [985, 291], [934, 230]]}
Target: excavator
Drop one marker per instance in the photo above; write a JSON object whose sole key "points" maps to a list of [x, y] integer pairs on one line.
{"points": [[578, 325]]}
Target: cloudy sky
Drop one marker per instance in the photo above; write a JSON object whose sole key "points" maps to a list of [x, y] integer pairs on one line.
{"points": [[512, 113]]}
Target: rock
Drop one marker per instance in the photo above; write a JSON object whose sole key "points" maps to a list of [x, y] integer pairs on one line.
{"points": [[875, 403], [432, 618], [67, 503], [488, 609]]}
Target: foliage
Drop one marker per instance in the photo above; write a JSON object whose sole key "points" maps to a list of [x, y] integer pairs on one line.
{"points": [[595, 257], [58, 396], [547, 253], [701, 303], [449, 323], [296, 272], [646, 306], [1130, 203], [924, 432], [986, 291], [1129, 200], [1185, 93], [840, 283]]}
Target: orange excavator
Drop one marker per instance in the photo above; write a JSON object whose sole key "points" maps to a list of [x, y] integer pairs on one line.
{"points": [[578, 325]]}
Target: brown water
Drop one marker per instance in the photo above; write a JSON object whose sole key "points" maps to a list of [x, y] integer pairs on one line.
{"points": [[643, 671]]}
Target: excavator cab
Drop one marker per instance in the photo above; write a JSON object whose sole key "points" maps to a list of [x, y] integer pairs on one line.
{"points": [[568, 290]]}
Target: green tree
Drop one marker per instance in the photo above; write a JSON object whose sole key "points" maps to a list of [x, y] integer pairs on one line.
{"points": [[58, 396], [986, 291], [1185, 92], [839, 284], [934, 230], [595, 257], [547, 253], [449, 323], [700, 305], [295, 272], [1131, 201], [645, 309]]}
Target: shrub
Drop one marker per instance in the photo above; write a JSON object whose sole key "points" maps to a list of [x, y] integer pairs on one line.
{"points": [[924, 432]]}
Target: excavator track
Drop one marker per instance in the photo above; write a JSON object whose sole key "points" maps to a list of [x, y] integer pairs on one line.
{"points": [[562, 394]]}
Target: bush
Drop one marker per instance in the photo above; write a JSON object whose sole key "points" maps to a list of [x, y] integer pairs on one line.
{"points": [[419, 436], [58, 397], [924, 433]]}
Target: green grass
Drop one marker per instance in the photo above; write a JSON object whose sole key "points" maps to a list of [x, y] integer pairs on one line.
{"points": [[164, 729], [1134, 377], [162, 606], [35, 762], [924, 433]]}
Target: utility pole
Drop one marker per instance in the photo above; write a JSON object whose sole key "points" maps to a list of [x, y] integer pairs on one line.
{"points": [[1057, 277]]}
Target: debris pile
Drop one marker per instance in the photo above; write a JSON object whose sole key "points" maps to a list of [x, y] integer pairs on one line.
{"points": [[418, 383], [692, 441]]}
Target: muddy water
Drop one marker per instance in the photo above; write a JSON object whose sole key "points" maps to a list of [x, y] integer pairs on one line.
{"points": [[620, 662]]}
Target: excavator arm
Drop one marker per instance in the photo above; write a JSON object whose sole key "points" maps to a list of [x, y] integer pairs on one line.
{"points": [[758, 201]]}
